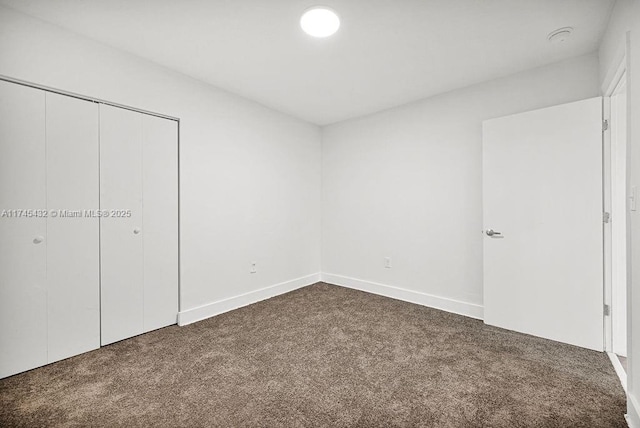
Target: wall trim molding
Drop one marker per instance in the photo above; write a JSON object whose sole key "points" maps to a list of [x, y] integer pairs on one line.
{"points": [[471, 310], [617, 366], [209, 310], [212, 309], [633, 412]]}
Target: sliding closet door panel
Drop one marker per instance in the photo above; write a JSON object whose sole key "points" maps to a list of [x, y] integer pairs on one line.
{"points": [[73, 270], [160, 190], [23, 244], [121, 235]]}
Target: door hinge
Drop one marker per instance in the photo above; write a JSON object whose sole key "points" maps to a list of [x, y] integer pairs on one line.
{"points": [[606, 217], [607, 310], [605, 125]]}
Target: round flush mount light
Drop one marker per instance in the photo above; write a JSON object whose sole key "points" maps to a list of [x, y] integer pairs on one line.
{"points": [[320, 21], [560, 35]]}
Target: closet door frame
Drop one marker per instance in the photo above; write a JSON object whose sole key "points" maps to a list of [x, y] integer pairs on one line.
{"points": [[139, 110]]}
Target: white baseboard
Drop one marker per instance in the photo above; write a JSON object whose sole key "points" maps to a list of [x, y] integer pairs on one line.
{"points": [[633, 412], [443, 303], [617, 366], [221, 306]]}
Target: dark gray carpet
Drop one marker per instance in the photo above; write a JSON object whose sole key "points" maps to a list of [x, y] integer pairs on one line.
{"points": [[323, 356]]}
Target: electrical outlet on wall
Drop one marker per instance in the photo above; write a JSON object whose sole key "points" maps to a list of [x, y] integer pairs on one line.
{"points": [[253, 267], [387, 262]]}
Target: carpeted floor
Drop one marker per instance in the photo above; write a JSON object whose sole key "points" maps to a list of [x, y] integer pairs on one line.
{"points": [[323, 356]]}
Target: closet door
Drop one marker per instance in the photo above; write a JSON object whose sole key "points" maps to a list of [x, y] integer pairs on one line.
{"points": [[23, 294], [121, 234], [73, 278], [160, 194]]}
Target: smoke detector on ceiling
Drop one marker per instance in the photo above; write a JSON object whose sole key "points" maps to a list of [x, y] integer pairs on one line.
{"points": [[560, 35]]}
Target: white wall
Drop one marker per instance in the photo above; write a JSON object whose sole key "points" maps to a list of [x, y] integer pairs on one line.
{"points": [[250, 176], [625, 26], [406, 184]]}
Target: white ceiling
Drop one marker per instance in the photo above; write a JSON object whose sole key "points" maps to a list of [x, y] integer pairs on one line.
{"points": [[386, 53]]}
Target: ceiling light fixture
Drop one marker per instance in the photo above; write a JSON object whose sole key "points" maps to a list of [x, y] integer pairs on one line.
{"points": [[320, 21], [560, 35]]}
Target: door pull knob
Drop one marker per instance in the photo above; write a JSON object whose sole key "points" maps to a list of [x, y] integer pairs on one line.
{"points": [[491, 232]]}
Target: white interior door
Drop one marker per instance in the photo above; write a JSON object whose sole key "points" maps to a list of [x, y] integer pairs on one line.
{"points": [[160, 218], [73, 278], [23, 294], [121, 242], [542, 184]]}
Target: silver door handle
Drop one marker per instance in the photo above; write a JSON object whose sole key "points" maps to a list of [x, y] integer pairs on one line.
{"points": [[491, 232], [38, 239], [136, 230]]}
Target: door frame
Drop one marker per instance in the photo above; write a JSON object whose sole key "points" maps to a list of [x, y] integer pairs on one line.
{"points": [[617, 77]]}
